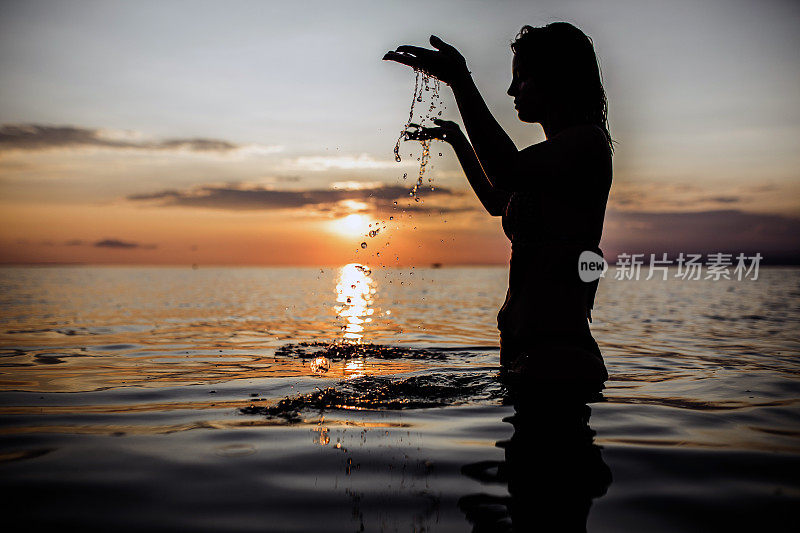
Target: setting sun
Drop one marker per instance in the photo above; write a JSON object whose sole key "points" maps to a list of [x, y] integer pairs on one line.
{"points": [[351, 225]]}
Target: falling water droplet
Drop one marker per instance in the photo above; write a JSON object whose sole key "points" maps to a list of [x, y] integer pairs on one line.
{"points": [[363, 245]]}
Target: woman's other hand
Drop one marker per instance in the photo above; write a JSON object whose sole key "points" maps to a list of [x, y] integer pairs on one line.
{"points": [[445, 130], [445, 63]]}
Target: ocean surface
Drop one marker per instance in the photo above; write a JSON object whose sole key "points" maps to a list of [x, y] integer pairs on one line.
{"points": [[358, 399]]}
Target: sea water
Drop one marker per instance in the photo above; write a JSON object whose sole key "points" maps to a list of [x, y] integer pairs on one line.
{"points": [[353, 398]]}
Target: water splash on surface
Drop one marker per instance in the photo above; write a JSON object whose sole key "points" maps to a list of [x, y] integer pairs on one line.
{"points": [[338, 351], [386, 393], [320, 365]]}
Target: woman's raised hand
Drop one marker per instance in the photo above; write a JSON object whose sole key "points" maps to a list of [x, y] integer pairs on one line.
{"points": [[445, 63], [445, 130]]}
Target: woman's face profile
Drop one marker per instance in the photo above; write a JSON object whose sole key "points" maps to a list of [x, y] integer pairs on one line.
{"points": [[527, 97]]}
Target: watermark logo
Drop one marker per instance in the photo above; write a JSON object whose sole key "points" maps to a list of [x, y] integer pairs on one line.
{"points": [[689, 266], [718, 266], [591, 266]]}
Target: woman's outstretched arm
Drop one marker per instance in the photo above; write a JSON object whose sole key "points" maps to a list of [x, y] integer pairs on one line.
{"points": [[493, 199], [494, 148]]}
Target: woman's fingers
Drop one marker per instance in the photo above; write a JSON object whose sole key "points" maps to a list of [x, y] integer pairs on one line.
{"points": [[418, 134], [415, 56], [441, 45], [443, 63], [416, 50], [445, 123], [447, 126], [424, 134], [411, 61]]}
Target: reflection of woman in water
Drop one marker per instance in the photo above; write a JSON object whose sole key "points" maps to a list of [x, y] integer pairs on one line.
{"points": [[551, 195], [552, 467]]}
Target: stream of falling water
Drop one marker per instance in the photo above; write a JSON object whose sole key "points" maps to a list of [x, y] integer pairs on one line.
{"points": [[423, 83]]}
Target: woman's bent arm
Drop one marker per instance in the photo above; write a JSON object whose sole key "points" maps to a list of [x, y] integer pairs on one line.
{"points": [[494, 148], [493, 199]]}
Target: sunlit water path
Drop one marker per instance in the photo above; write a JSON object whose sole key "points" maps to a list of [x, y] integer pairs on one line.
{"points": [[278, 399]]}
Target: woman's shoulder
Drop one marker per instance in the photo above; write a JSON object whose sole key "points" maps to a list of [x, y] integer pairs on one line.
{"points": [[590, 141], [581, 137], [573, 155], [588, 134]]}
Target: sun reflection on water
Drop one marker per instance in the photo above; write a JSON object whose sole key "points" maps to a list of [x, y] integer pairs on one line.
{"points": [[354, 292], [355, 368]]}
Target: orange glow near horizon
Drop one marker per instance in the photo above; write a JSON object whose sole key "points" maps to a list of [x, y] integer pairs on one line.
{"points": [[65, 235]]}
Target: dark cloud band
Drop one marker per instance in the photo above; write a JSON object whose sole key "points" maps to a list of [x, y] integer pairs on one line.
{"points": [[39, 137], [122, 245], [723, 230], [232, 197]]}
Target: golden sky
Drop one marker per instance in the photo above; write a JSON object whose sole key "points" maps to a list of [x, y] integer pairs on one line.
{"points": [[262, 133]]}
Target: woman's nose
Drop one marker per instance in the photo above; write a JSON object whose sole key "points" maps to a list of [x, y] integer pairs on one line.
{"points": [[512, 90]]}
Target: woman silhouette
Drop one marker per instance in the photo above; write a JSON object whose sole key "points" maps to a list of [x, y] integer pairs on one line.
{"points": [[552, 195]]}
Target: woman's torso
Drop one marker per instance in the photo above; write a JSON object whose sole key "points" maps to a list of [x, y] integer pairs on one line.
{"points": [[572, 211], [549, 227]]}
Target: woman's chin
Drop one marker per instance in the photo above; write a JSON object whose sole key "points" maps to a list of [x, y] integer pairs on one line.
{"points": [[524, 117]]}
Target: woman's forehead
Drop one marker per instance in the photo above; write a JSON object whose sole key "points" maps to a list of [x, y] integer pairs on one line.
{"points": [[517, 67], [515, 64]]}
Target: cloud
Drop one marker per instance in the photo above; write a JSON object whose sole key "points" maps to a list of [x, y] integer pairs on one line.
{"points": [[345, 162], [777, 197], [667, 197], [122, 245], [40, 137], [239, 198], [723, 199], [724, 230]]}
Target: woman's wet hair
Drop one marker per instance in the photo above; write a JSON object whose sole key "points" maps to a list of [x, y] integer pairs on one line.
{"points": [[562, 61]]}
